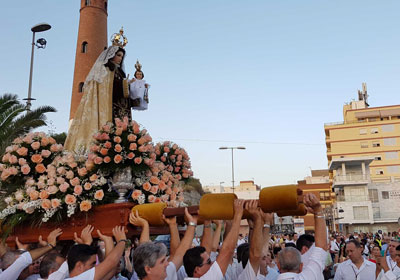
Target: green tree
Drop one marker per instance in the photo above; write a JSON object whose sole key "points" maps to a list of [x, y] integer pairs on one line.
{"points": [[15, 121]]}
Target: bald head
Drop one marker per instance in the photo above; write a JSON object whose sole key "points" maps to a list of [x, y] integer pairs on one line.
{"points": [[289, 260]]}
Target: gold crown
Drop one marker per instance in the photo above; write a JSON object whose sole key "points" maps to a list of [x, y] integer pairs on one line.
{"points": [[118, 39], [138, 66]]}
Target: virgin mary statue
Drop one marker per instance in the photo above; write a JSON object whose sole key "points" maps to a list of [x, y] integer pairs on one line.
{"points": [[105, 97]]}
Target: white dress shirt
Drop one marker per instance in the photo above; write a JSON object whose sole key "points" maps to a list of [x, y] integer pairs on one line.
{"points": [[87, 275], [214, 273], [14, 270], [348, 271], [313, 269], [248, 273], [393, 273]]}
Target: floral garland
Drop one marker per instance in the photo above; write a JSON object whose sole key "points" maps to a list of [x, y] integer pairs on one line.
{"points": [[50, 181]]}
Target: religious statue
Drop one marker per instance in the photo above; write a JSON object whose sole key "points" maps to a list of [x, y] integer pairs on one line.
{"points": [[139, 89], [105, 96]]}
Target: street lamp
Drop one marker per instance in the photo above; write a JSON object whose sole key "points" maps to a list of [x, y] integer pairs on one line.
{"points": [[40, 44], [233, 176]]}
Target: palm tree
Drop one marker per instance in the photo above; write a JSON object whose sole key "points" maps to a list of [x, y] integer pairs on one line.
{"points": [[15, 121]]}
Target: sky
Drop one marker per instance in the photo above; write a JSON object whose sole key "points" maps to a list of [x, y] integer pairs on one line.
{"points": [[262, 74]]}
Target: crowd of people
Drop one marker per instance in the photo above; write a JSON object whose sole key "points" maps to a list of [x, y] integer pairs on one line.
{"points": [[260, 255]]}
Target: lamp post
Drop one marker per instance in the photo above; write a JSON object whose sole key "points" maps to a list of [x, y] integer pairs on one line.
{"points": [[40, 43], [233, 172]]}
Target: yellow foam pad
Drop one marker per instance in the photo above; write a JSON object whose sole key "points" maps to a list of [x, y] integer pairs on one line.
{"points": [[217, 206], [278, 198], [300, 211], [152, 212]]}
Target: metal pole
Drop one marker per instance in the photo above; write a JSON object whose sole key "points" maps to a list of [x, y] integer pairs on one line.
{"points": [[233, 175], [28, 100]]}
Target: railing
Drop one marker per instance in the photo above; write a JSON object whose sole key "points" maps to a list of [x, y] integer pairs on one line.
{"points": [[352, 198], [386, 179], [381, 216], [351, 177]]}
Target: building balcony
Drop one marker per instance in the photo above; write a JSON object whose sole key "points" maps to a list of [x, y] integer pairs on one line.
{"points": [[350, 179]]}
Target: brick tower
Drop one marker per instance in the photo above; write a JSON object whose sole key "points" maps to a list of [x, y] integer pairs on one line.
{"points": [[92, 40]]}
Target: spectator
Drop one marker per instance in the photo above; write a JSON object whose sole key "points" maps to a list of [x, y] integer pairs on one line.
{"points": [[356, 267]]}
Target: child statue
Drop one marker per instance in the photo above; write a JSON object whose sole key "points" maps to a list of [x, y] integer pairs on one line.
{"points": [[139, 90]]}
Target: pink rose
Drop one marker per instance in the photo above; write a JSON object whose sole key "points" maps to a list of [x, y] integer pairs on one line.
{"points": [[21, 161], [36, 158], [98, 160], [94, 148], [60, 180], [82, 171], [44, 142], [103, 151], [138, 160], [52, 189], [85, 205], [13, 159], [154, 189], [43, 194], [46, 204], [132, 146], [117, 139], [136, 193], [117, 159], [28, 139], [154, 180], [118, 131], [35, 145], [70, 199], [55, 203], [40, 168], [131, 155], [22, 151], [64, 187], [131, 137], [87, 186], [53, 148], [93, 178], [146, 186], [107, 145], [107, 159], [99, 195], [75, 181], [34, 195], [118, 148], [107, 128], [69, 174], [151, 198], [25, 169], [78, 190]]}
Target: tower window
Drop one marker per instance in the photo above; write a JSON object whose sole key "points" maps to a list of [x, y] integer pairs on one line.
{"points": [[84, 47], [80, 88], [87, 2]]}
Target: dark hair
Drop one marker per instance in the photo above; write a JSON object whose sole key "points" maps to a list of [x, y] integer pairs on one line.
{"points": [[355, 242], [240, 249], [290, 244], [398, 248], [305, 240], [140, 72], [48, 263], [80, 253], [245, 256], [111, 65], [276, 250], [192, 258]]}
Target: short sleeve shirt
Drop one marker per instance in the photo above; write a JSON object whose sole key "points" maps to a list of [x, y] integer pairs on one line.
{"points": [[248, 272]]}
